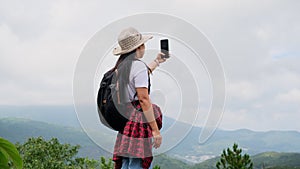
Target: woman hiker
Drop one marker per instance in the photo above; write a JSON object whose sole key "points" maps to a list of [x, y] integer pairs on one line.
{"points": [[133, 146]]}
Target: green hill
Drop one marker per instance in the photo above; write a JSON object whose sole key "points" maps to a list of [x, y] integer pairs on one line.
{"points": [[251, 142], [19, 130], [272, 159], [165, 161], [189, 149], [267, 159]]}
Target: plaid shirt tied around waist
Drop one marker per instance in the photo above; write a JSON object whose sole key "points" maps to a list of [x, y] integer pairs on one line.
{"points": [[136, 139]]}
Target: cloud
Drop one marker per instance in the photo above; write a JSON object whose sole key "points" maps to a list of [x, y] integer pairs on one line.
{"points": [[31, 71], [36, 69], [27, 20], [243, 90], [258, 43], [292, 96], [40, 43], [259, 119]]}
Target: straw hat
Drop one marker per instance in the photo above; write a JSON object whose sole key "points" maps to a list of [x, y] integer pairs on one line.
{"points": [[130, 39]]}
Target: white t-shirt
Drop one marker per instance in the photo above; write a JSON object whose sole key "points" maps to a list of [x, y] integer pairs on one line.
{"points": [[138, 77]]}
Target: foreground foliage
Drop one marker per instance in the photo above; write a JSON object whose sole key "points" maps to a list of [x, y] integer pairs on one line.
{"points": [[38, 153], [9, 155], [233, 159]]}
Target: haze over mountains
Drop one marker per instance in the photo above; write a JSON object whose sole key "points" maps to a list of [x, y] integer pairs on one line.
{"points": [[61, 122]]}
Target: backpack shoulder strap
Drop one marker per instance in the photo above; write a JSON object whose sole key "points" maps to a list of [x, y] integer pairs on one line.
{"points": [[117, 86]]}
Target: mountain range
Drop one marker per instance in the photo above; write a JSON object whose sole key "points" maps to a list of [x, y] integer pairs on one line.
{"points": [[21, 122]]}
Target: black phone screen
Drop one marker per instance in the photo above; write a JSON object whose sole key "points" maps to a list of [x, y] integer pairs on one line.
{"points": [[164, 46]]}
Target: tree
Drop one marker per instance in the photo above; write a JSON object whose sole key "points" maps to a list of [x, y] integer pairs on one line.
{"points": [[156, 167], [108, 165], [9, 155], [233, 159], [85, 163], [42, 154], [38, 153]]}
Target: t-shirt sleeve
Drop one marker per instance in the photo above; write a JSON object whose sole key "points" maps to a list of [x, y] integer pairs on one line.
{"points": [[140, 77]]}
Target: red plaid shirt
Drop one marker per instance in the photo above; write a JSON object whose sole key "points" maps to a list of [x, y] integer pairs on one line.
{"points": [[136, 139]]}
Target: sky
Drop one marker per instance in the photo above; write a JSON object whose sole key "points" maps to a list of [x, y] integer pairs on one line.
{"points": [[257, 42]]}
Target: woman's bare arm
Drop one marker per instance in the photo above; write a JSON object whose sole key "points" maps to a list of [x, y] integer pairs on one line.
{"points": [[154, 64], [142, 94]]}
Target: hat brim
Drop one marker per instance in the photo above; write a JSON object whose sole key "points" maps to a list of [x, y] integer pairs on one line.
{"points": [[118, 50]]}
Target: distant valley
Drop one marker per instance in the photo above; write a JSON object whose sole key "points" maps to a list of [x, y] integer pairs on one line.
{"points": [[61, 122]]}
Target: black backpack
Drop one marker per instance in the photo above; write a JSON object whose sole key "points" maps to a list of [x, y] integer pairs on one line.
{"points": [[109, 104]]}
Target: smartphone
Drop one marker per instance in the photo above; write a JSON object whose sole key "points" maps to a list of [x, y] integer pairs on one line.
{"points": [[164, 47]]}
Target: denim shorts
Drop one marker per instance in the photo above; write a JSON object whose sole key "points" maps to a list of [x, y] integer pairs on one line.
{"points": [[132, 163]]}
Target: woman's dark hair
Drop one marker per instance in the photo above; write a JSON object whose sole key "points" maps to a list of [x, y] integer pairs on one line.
{"points": [[123, 65]]}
